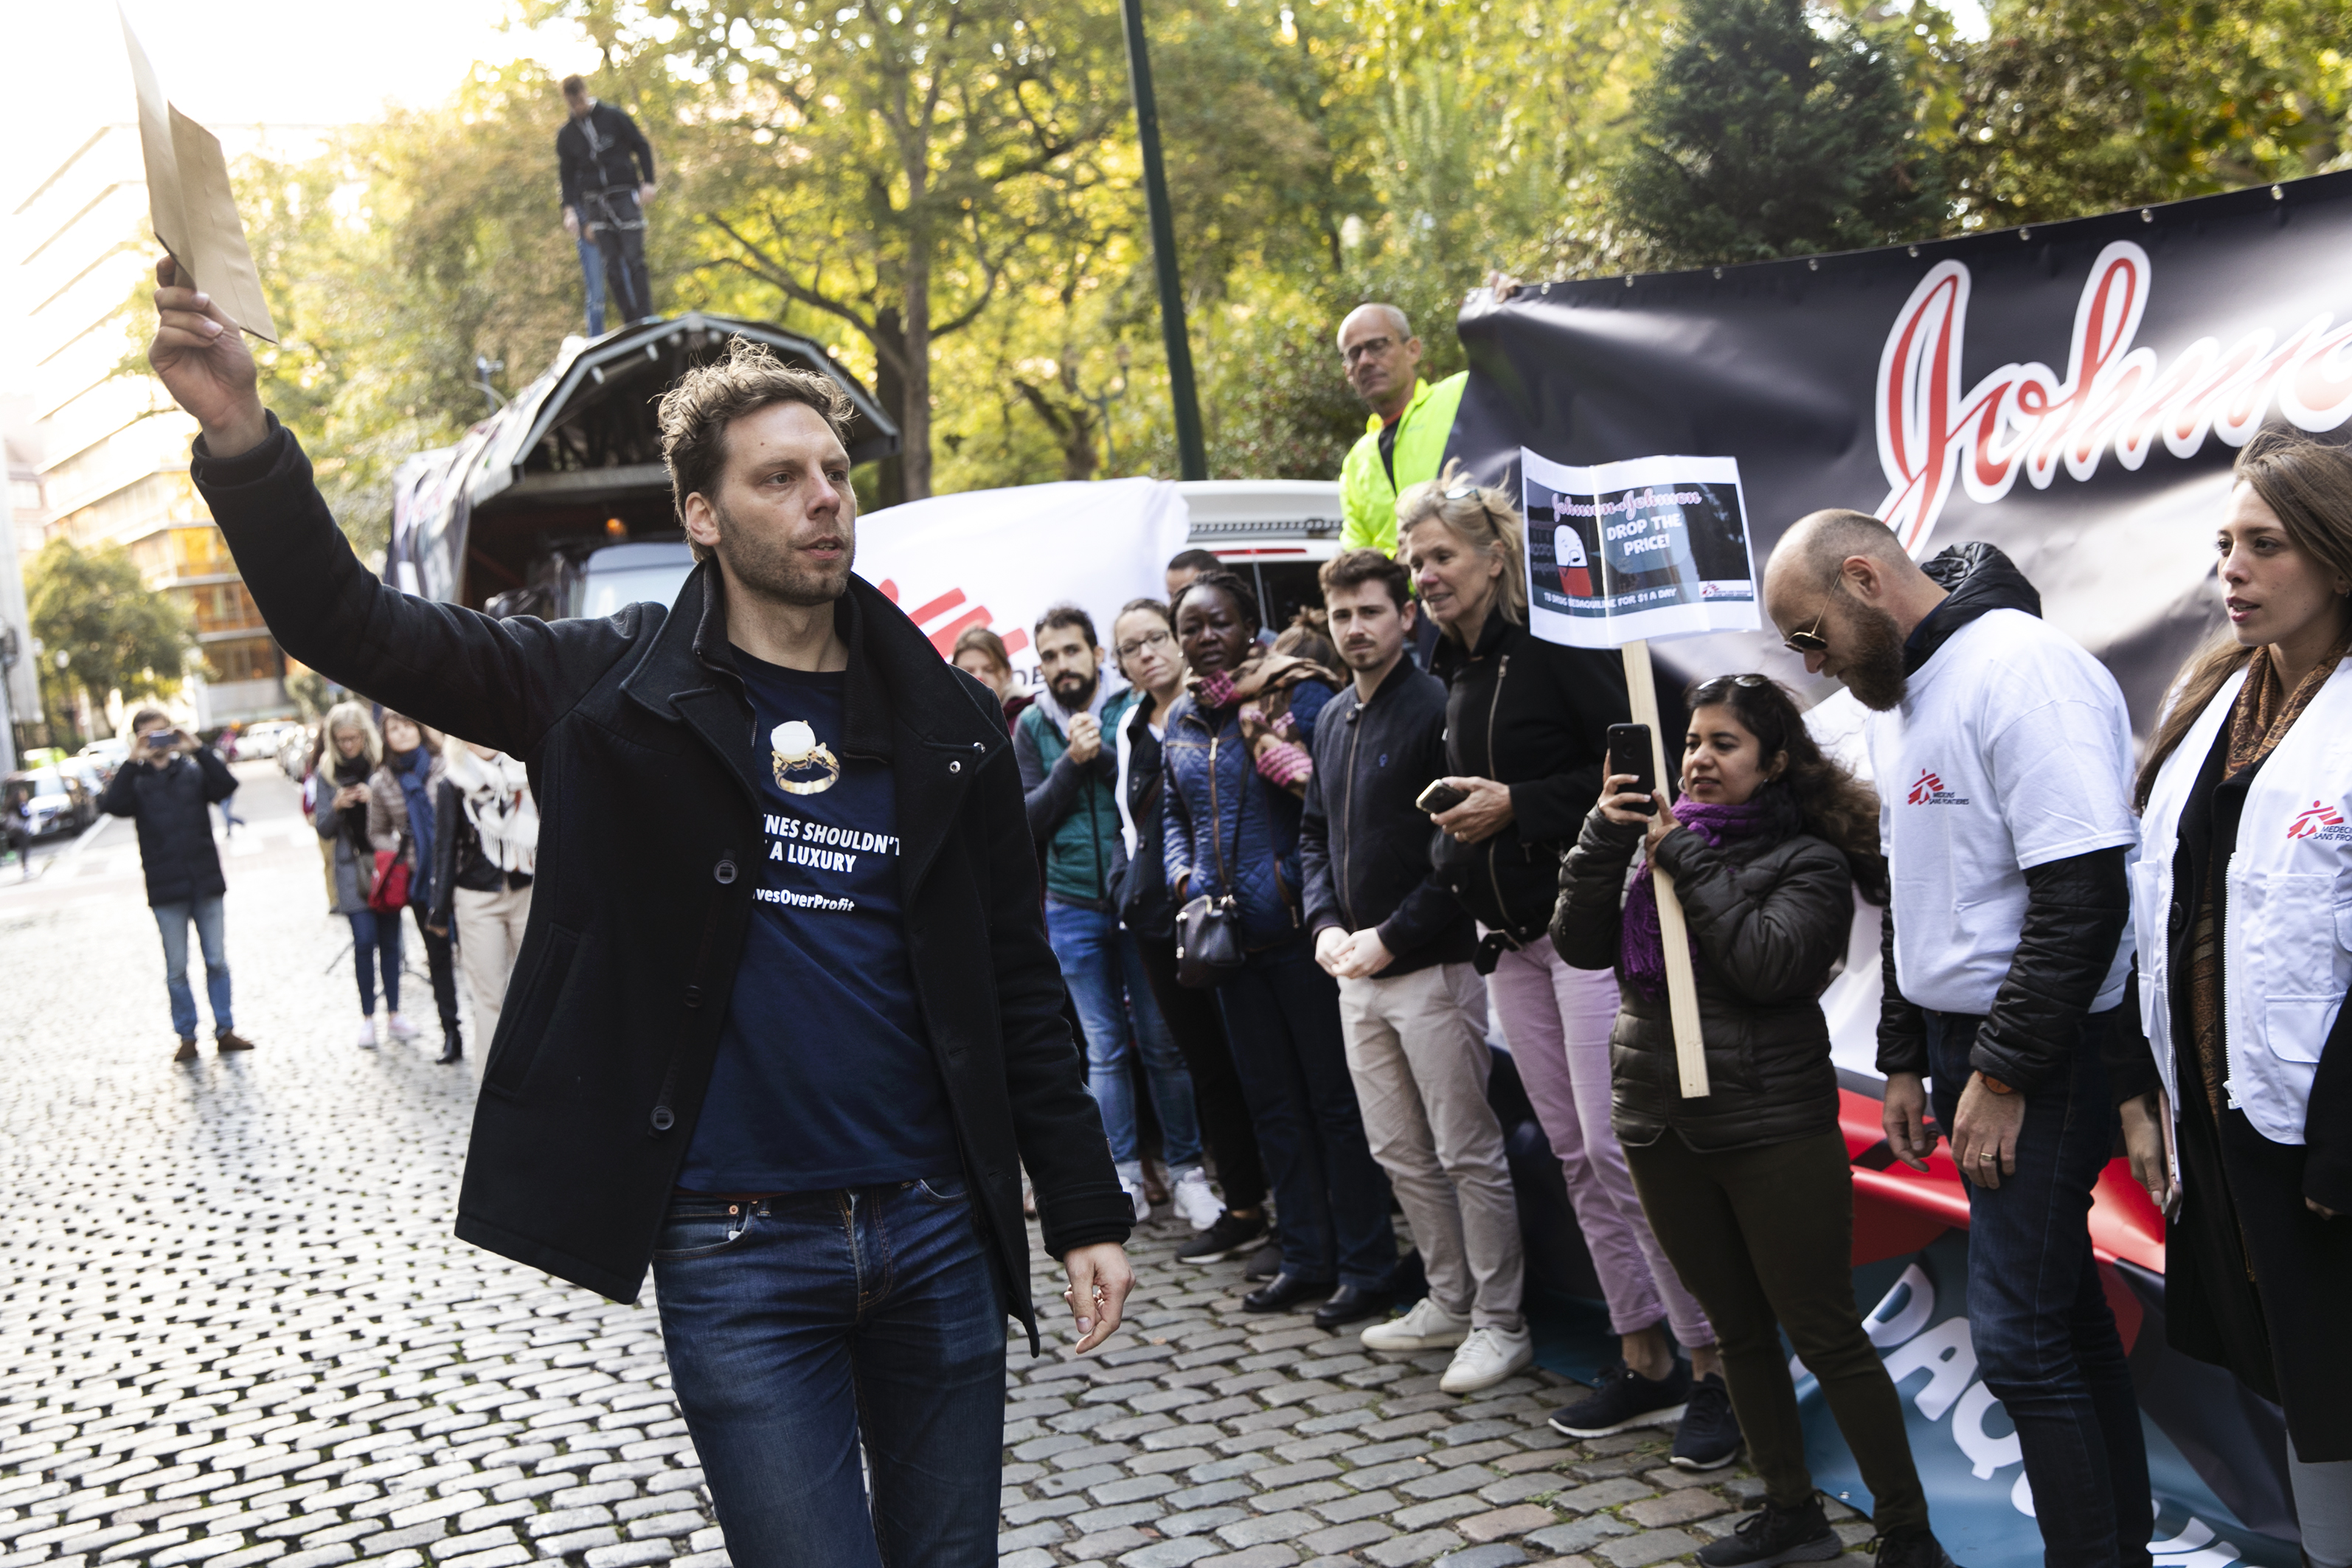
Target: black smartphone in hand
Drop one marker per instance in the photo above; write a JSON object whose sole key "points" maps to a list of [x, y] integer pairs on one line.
{"points": [[1629, 753], [1440, 796]]}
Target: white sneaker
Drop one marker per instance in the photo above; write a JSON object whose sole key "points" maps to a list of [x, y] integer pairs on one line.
{"points": [[1485, 1358], [400, 1028], [1428, 1327], [1194, 1200], [367, 1032], [1133, 1188]]}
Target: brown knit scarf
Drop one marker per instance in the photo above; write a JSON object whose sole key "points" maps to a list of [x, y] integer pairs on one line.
{"points": [[2265, 710]]}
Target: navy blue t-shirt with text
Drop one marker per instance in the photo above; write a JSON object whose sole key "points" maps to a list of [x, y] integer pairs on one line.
{"points": [[824, 1077]]}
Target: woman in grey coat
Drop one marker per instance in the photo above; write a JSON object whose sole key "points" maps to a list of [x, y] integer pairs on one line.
{"points": [[352, 753]]}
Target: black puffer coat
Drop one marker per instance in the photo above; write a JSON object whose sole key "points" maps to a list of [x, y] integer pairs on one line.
{"points": [[1771, 914], [172, 805]]}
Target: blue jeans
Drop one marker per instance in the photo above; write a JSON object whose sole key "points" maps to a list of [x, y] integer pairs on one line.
{"points": [[2045, 1338], [798, 1327], [1282, 1017], [375, 942], [171, 920], [1104, 970], [592, 272]]}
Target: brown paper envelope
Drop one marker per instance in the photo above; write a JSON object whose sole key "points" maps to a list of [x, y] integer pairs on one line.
{"points": [[192, 203]]}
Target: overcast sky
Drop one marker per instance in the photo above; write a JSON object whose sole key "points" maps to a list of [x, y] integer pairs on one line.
{"points": [[225, 62]]}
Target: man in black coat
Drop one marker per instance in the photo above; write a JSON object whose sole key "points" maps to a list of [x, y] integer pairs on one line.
{"points": [[600, 154], [785, 1022], [168, 786], [1411, 1002]]}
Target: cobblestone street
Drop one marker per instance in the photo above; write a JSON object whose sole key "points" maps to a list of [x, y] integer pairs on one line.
{"points": [[235, 1328]]}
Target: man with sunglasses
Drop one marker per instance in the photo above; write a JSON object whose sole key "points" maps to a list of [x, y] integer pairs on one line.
{"points": [[2003, 757], [1404, 438]]}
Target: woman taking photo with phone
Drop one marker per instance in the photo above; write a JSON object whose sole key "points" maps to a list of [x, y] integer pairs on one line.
{"points": [[2239, 905], [340, 812], [1526, 728], [1749, 1187], [1237, 766]]}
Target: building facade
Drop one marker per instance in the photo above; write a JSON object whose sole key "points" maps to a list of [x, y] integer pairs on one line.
{"points": [[113, 466]]}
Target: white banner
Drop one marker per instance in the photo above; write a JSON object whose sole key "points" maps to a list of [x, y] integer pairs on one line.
{"points": [[999, 558]]}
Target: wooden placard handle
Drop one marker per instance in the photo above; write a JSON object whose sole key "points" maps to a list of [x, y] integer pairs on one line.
{"points": [[1681, 982]]}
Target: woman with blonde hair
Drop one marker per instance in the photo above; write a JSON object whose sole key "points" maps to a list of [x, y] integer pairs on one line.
{"points": [[402, 823], [2236, 1091], [1527, 727], [339, 812]]}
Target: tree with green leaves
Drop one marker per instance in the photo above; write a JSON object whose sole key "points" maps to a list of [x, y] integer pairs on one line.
{"points": [[102, 630], [2082, 106], [1768, 132]]}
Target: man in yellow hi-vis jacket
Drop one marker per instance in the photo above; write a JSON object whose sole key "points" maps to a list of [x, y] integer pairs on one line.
{"points": [[1404, 439]]}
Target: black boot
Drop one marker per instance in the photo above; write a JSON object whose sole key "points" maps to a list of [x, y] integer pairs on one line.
{"points": [[452, 1046]]}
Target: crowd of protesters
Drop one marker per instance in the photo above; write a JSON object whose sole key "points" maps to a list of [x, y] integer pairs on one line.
{"points": [[1290, 880]]}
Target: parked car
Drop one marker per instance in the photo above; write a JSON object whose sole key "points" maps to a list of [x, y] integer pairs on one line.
{"points": [[109, 754], [51, 800]]}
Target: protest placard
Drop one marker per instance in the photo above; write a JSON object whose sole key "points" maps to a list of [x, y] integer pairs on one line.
{"points": [[1618, 554]]}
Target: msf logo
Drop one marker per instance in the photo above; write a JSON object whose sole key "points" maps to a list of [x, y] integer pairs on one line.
{"points": [[1928, 790], [2320, 821]]}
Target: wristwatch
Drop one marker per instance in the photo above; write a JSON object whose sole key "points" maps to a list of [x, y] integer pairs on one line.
{"points": [[1995, 1084]]}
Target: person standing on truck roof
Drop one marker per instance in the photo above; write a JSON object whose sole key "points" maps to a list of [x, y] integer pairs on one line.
{"points": [[1404, 438], [600, 152], [793, 1044]]}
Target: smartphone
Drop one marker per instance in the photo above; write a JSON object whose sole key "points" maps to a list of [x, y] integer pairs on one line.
{"points": [[1629, 753], [1440, 796]]}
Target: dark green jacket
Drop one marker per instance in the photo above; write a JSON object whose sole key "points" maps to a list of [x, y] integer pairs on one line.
{"points": [[1073, 808]]}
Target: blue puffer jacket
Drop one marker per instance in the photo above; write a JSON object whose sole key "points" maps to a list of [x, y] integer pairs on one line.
{"points": [[1212, 784]]}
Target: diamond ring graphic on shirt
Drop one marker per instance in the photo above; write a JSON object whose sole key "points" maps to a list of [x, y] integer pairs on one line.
{"points": [[804, 766]]}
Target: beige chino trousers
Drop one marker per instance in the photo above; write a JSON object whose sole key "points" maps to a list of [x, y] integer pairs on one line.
{"points": [[1417, 1051], [489, 938]]}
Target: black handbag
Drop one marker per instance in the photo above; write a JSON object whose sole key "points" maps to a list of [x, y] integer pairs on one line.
{"points": [[1208, 930]]}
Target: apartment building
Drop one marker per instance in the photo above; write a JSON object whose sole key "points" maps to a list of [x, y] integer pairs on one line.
{"points": [[113, 466]]}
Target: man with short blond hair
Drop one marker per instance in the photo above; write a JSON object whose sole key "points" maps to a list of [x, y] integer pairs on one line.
{"points": [[759, 808], [1411, 1004]]}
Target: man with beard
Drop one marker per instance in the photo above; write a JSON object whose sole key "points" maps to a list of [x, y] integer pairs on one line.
{"points": [[2003, 756], [1412, 1005], [1071, 782], [759, 807]]}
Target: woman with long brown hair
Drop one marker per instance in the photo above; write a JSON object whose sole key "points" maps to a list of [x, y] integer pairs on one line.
{"points": [[2236, 1095], [1748, 1187]]}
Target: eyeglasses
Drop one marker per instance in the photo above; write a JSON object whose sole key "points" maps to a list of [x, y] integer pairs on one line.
{"points": [[1369, 346], [1810, 641], [1134, 646]]}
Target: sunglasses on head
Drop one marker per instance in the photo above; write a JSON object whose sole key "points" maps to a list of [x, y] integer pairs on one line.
{"points": [[1705, 689]]}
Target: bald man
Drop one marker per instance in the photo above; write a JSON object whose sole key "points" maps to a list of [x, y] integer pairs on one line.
{"points": [[2003, 756], [1404, 438]]}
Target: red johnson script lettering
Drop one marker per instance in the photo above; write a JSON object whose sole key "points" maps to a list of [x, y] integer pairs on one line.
{"points": [[2028, 418]]}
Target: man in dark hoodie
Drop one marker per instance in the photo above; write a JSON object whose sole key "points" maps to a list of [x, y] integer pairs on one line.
{"points": [[2003, 756], [1411, 1004]]}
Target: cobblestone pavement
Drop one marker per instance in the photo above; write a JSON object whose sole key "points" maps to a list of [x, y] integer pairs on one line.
{"points": [[235, 1328]]}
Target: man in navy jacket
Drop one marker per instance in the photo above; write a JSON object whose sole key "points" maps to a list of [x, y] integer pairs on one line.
{"points": [[168, 786]]}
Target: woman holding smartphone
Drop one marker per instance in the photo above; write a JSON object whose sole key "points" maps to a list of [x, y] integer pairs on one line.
{"points": [[1526, 733], [2239, 905], [1749, 1187]]}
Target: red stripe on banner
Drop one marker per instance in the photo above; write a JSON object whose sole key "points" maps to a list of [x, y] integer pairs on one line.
{"points": [[944, 639], [938, 606]]}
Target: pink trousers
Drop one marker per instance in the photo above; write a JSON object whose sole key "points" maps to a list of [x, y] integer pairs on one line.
{"points": [[1557, 1021]]}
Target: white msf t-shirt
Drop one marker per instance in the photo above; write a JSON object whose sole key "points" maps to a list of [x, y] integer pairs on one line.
{"points": [[2013, 749]]}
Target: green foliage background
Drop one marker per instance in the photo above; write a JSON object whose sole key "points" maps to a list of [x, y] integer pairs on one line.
{"points": [[946, 192]]}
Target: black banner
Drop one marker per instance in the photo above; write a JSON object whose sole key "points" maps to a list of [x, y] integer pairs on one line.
{"points": [[2073, 393]]}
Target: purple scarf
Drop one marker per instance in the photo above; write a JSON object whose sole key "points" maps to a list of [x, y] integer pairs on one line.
{"points": [[1641, 948]]}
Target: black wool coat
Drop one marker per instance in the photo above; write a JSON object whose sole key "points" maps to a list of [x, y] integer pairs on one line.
{"points": [[1770, 915], [172, 807], [641, 748]]}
